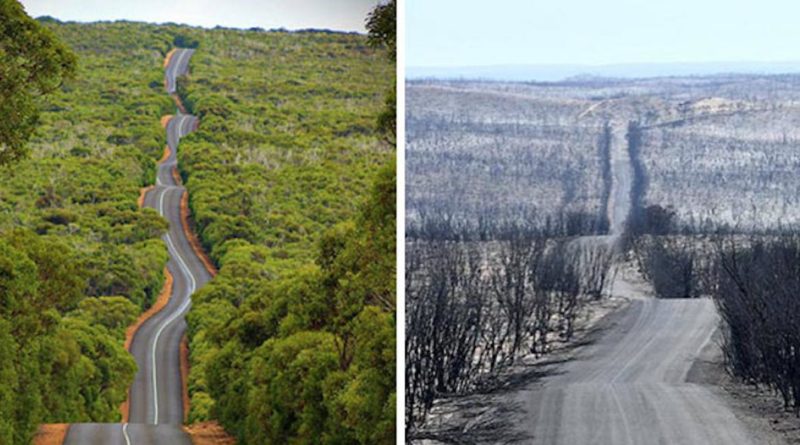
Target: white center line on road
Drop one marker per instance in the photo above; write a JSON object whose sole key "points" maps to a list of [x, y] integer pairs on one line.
{"points": [[125, 434], [176, 124], [178, 130], [193, 284], [184, 131], [181, 131]]}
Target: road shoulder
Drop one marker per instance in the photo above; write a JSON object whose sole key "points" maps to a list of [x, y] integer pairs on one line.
{"points": [[51, 434], [208, 433], [760, 410]]}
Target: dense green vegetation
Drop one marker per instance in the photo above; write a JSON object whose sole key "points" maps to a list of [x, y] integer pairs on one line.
{"points": [[292, 192], [78, 259], [59, 365]]}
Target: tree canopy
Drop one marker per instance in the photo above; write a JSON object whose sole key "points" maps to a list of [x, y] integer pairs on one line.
{"points": [[382, 33], [33, 62], [382, 27], [292, 190]]}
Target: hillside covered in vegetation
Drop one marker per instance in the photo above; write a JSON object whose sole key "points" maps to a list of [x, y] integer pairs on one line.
{"points": [[292, 191]]}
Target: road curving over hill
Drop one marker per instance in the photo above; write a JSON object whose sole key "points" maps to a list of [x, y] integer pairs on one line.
{"points": [[156, 396], [629, 386]]}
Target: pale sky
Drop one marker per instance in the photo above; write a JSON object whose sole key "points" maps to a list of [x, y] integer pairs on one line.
{"points": [[597, 32], [342, 15]]}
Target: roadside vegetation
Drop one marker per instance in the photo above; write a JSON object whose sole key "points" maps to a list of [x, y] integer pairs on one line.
{"points": [[292, 193], [753, 278], [78, 259], [476, 307]]}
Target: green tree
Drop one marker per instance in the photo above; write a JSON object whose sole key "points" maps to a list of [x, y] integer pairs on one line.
{"points": [[286, 403], [32, 63], [363, 398], [103, 373], [61, 277], [113, 313], [382, 33], [8, 377], [382, 27]]}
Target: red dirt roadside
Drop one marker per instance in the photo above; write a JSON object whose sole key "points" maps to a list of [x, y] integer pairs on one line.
{"points": [[51, 434], [208, 433]]}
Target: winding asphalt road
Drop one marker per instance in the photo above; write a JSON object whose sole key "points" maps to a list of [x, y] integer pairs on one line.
{"points": [[630, 386], [156, 398], [178, 65]]}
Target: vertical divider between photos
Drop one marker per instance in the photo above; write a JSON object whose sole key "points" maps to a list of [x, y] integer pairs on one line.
{"points": [[400, 356]]}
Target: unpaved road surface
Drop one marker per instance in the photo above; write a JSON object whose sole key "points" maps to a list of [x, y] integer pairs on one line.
{"points": [[156, 397], [619, 200], [629, 387]]}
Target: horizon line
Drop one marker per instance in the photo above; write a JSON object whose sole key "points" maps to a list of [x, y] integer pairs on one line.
{"points": [[603, 65], [48, 17]]}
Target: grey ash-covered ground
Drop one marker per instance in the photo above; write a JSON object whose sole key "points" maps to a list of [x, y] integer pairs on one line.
{"points": [[724, 149]]}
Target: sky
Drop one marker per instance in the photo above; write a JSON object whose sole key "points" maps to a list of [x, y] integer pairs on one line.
{"points": [[341, 15], [452, 33]]}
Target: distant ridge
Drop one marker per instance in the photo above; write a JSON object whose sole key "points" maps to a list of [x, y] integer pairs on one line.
{"points": [[51, 19], [551, 73]]}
